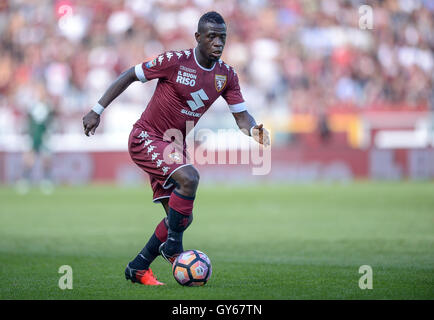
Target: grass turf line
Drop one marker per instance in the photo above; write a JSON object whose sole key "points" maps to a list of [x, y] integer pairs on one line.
{"points": [[264, 241]]}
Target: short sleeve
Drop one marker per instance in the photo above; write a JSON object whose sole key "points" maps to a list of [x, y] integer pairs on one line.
{"points": [[160, 67], [233, 96]]}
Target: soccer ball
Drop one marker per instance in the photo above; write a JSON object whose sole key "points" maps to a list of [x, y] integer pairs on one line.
{"points": [[192, 268]]}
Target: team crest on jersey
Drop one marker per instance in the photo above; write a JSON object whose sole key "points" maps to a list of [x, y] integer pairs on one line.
{"points": [[220, 82], [175, 157], [151, 63]]}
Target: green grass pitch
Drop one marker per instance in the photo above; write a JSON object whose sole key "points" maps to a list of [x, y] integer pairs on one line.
{"points": [[265, 241]]}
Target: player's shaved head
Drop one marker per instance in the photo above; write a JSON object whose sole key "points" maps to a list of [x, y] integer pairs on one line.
{"points": [[209, 17], [211, 38]]}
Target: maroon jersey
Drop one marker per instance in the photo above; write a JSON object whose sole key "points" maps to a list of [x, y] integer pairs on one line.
{"points": [[185, 90]]}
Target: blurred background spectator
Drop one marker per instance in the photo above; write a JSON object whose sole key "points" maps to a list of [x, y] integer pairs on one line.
{"points": [[289, 54], [39, 126]]}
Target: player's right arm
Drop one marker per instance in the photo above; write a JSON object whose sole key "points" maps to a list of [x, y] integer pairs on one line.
{"points": [[160, 67], [92, 119]]}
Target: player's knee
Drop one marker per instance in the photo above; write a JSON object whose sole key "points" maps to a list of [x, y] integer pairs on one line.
{"points": [[189, 180], [192, 180]]}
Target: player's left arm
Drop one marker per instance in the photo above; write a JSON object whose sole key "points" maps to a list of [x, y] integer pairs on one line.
{"points": [[247, 125]]}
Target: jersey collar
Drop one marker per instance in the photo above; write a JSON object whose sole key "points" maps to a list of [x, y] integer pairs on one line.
{"points": [[210, 69]]}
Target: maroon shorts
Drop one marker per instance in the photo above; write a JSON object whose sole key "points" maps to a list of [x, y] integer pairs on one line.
{"points": [[158, 158]]}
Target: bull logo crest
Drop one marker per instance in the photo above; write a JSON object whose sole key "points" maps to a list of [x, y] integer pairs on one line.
{"points": [[220, 82]]}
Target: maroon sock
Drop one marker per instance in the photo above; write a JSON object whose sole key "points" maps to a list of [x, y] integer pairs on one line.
{"points": [[161, 231], [180, 203]]}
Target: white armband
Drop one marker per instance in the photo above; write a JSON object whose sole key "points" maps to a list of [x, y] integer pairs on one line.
{"points": [[98, 108], [239, 107], [139, 73]]}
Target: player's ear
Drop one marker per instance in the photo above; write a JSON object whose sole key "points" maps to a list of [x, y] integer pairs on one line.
{"points": [[197, 36]]}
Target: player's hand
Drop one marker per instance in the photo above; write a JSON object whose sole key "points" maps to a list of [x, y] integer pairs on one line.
{"points": [[91, 122], [261, 135]]}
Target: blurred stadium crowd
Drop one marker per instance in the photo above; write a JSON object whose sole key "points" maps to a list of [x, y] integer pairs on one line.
{"points": [[290, 54]]}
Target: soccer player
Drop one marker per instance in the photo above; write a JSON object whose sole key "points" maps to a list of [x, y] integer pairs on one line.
{"points": [[40, 117], [189, 81]]}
